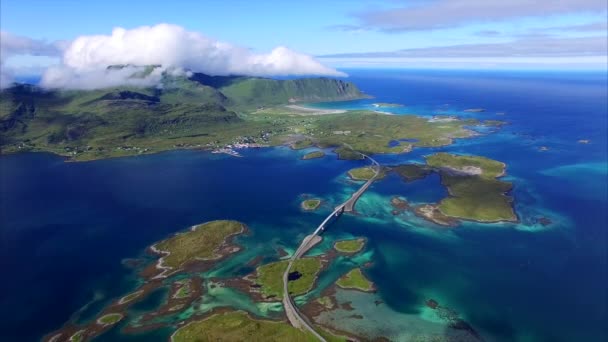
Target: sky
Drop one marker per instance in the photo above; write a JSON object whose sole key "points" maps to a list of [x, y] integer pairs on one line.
{"points": [[70, 43]]}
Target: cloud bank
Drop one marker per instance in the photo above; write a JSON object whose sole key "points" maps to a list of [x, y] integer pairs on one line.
{"points": [[441, 14], [531, 47], [539, 52], [85, 59]]}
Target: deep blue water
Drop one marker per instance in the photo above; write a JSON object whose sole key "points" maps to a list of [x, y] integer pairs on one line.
{"points": [[65, 227]]}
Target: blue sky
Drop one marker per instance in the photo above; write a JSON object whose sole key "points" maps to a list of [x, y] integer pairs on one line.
{"points": [[340, 33]]}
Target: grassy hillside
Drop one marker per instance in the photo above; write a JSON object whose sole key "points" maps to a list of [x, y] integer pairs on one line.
{"points": [[72, 121], [205, 112], [252, 92]]}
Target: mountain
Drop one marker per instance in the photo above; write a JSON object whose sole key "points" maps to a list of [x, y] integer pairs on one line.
{"points": [[198, 105]]}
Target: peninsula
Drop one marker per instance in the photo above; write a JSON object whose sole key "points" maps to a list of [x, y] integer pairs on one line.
{"points": [[219, 113]]}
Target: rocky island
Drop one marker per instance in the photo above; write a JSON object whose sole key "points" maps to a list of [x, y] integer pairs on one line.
{"points": [[310, 204], [313, 155], [355, 280], [475, 192], [349, 246], [197, 249]]}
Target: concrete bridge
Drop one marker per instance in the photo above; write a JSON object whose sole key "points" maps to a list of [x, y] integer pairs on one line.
{"points": [[294, 316]]}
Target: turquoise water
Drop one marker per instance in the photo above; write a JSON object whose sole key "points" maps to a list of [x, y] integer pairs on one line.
{"points": [[66, 227]]}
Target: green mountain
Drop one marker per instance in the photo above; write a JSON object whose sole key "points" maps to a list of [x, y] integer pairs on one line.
{"points": [[195, 106]]}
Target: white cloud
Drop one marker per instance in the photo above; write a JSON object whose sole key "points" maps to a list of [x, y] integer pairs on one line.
{"points": [[86, 58], [441, 14], [13, 45]]}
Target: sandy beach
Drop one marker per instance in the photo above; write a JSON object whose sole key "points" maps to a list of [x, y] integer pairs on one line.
{"points": [[315, 111]]}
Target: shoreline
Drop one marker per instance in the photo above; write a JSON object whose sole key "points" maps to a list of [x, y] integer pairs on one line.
{"points": [[316, 111]]}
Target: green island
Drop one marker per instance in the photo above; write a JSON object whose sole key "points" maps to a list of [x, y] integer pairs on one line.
{"points": [[355, 280], [78, 336], [304, 271], [475, 192], [365, 173], [411, 172], [199, 243], [110, 319], [130, 297], [184, 290], [313, 155], [311, 204], [386, 105], [239, 326], [349, 246], [205, 112]]}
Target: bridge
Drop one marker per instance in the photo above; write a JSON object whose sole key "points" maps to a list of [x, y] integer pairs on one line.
{"points": [[294, 315]]}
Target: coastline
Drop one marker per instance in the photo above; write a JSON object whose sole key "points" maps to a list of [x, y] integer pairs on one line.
{"points": [[316, 111]]}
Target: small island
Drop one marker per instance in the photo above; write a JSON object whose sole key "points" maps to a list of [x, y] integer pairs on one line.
{"points": [[355, 280], [475, 192], [313, 155], [302, 277], [130, 297], [310, 204], [365, 173], [78, 336], [110, 319], [200, 243], [475, 110], [349, 246]]}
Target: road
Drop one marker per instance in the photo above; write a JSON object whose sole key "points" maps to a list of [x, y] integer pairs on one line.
{"points": [[291, 310]]}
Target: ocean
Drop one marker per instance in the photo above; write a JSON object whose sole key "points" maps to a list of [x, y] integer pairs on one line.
{"points": [[68, 227]]}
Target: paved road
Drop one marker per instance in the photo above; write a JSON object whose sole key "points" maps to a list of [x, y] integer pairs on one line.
{"points": [[291, 310]]}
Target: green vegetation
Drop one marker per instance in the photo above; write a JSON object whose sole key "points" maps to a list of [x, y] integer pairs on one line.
{"points": [[130, 297], [348, 154], [200, 111], [365, 173], [238, 326], [486, 168], [301, 144], [475, 193], [252, 91], [313, 155], [372, 132], [200, 242], [355, 280], [203, 112], [311, 204], [411, 172], [270, 277], [184, 290], [362, 173], [110, 319], [349, 246], [78, 336], [477, 198]]}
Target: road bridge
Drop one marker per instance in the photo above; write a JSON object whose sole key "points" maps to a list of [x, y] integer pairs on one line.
{"points": [[294, 316]]}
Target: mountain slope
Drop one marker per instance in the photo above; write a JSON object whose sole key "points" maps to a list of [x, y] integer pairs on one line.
{"points": [[195, 106]]}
